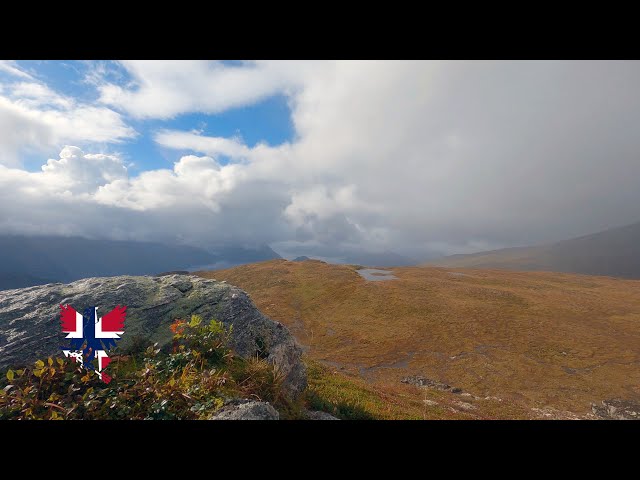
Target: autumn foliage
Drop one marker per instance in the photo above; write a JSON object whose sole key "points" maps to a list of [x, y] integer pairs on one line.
{"points": [[191, 382]]}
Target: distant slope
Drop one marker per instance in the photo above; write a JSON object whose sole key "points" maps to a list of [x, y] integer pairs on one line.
{"points": [[231, 256], [614, 252], [27, 261], [545, 340], [356, 257], [16, 280], [241, 255]]}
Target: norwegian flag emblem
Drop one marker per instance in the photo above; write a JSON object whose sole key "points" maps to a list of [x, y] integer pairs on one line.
{"points": [[90, 336]]}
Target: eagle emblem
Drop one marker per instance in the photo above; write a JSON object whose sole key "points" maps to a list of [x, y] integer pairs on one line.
{"points": [[91, 336]]}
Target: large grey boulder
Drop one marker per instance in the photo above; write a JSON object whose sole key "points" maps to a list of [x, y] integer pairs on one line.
{"points": [[246, 410], [30, 318]]}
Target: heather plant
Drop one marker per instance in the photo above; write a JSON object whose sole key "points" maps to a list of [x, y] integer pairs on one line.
{"points": [[192, 381]]}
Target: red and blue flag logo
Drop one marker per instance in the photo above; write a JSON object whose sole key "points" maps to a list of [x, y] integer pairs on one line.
{"points": [[91, 336]]}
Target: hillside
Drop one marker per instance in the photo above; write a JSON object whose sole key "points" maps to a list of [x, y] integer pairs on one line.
{"points": [[614, 252], [544, 344]]}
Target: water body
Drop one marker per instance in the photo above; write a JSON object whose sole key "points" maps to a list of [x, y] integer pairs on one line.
{"points": [[376, 275]]}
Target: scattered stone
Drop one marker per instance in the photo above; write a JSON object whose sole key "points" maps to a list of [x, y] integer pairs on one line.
{"points": [[246, 410], [420, 381], [617, 409], [430, 403], [493, 398], [318, 415], [553, 414], [465, 405]]}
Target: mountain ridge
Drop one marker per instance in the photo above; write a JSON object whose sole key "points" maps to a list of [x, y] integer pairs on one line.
{"points": [[614, 252], [28, 261]]}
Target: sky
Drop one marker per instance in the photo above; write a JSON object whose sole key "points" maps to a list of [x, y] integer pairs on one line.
{"points": [[422, 158]]}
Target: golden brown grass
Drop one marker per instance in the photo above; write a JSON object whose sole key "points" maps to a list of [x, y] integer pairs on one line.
{"points": [[536, 339], [352, 398]]}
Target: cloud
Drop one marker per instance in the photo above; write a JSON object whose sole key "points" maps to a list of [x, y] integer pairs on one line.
{"points": [[78, 172], [18, 130], [446, 157], [209, 145], [34, 118], [197, 202], [10, 67], [193, 182], [163, 89], [36, 94], [421, 158]]}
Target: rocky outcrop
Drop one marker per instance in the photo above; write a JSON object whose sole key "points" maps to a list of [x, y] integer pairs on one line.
{"points": [[617, 409], [30, 318], [419, 381], [246, 410]]}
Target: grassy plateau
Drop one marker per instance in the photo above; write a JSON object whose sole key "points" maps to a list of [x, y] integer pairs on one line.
{"points": [[517, 344]]}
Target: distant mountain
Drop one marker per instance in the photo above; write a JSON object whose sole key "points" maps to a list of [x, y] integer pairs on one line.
{"points": [[303, 258], [614, 252], [382, 259], [9, 281], [232, 256], [26, 261], [241, 255]]}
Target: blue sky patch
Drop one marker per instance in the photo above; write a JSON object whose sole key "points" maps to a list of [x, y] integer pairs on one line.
{"points": [[267, 121]]}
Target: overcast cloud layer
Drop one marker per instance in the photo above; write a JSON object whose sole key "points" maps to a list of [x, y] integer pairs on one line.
{"points": [[422, 158]]}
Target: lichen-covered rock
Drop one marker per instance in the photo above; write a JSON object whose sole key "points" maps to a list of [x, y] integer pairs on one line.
{"points": [[246, 410], [617, 409], [30, 318], [420, 381], [318, 415]]}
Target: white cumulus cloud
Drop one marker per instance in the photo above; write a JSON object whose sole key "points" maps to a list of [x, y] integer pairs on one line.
{"points": [[35, 118], [163, 89]]}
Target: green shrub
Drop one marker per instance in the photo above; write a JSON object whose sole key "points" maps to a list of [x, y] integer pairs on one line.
{"points": [[190, 382]]}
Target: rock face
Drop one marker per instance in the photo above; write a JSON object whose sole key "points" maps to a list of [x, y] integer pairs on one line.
{"points": [[246, 410], [617, 409], [30, 318]]}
